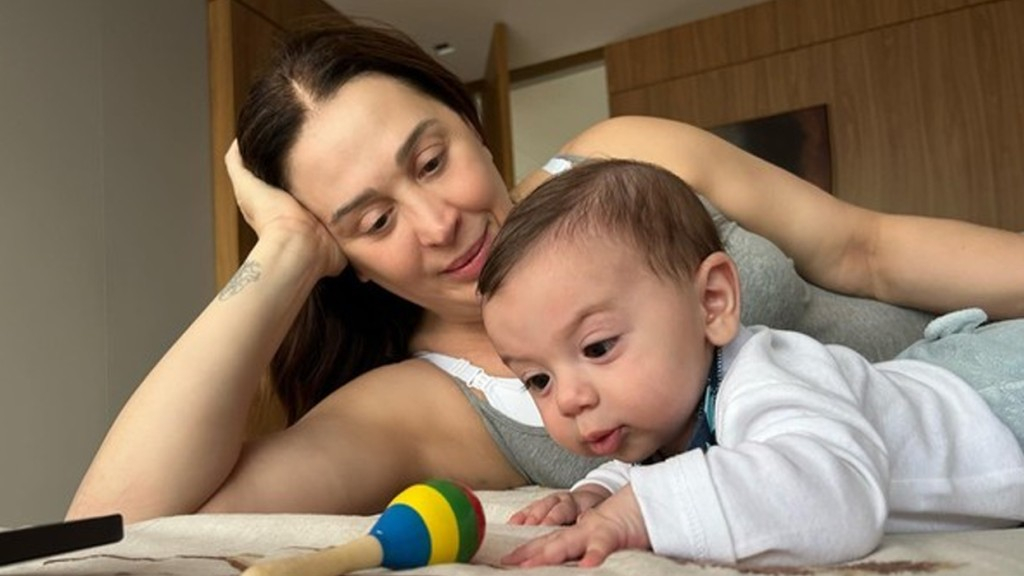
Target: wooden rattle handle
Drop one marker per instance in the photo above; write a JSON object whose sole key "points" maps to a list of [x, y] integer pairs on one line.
{"points": [[361, 553]]}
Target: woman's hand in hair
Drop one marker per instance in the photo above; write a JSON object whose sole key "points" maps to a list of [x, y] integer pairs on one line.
{"points": [[271, 211]]}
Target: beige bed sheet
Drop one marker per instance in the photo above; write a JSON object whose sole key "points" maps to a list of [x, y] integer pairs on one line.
{"points": [[221, 545]]}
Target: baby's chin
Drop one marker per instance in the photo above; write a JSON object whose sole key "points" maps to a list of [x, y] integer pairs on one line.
{"points": [[628, 454], [639, 455]]}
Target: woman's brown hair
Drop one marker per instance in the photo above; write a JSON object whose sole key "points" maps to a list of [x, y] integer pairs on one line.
{"points": [[346, 327]]}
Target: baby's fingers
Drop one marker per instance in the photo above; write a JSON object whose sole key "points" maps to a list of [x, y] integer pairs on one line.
{"points": [[565, 512], [519, 517], [554, 548], [517, 556], [596, 553], [532, 515], [536, 512]]}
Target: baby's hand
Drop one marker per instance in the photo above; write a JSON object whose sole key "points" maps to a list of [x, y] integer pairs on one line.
{"points": [[614, 525], [561, 507]]}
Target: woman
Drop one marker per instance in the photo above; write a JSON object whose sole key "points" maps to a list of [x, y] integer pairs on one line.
{"points": [[364, 274]]}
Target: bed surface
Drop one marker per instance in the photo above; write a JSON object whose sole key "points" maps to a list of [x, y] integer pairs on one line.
{"points": [[217, 545]]}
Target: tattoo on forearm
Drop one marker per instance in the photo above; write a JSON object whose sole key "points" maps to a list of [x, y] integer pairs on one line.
{"points": [[248, 273]]}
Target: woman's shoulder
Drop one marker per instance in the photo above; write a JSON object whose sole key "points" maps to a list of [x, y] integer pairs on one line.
{"points": [[400, 373], [646, 138], [629, 137], [404, 382], [412, 390]]}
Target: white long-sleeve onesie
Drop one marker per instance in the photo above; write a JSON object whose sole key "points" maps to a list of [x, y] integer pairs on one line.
{"points": [[820, 452]]}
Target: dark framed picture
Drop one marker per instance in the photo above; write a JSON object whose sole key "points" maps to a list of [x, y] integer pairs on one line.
{"points": [[797, 141]]}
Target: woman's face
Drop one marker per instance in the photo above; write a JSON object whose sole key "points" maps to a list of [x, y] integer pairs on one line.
{"points": [[407, 189]]}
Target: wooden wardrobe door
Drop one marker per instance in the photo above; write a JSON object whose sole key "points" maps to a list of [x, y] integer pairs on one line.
{"points": [[496, 106]]}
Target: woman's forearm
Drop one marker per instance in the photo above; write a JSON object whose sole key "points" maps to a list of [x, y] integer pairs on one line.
{"points": [[942, 265], [180, 434]]}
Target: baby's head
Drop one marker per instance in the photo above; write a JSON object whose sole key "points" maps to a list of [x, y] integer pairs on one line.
{"points": [[606, 292]]}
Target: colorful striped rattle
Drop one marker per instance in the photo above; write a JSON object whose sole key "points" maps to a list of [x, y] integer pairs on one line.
{"points": [[435, 522]]}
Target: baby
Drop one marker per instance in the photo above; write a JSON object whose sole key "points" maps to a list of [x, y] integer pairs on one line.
{"points": [[607, 292]]}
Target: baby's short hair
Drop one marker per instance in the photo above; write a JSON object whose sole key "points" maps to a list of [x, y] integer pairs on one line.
{"points": [[642, 205]]}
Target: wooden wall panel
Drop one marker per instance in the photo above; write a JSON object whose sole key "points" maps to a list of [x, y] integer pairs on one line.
{"points": [[496, 104], [750, 90], [925, 112], [707, 44], [222, 130], [286, 14], [757, 31], [637, 101], [804, 22], [753, 32], [1000, 68], [923, 124], [253, 40]]}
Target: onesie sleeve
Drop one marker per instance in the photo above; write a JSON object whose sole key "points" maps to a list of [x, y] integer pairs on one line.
{"points": [[799, 475], [612, 476]]}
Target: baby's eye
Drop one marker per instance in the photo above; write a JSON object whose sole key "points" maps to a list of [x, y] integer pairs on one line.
{"points": [[537, 382], [599, 348]]}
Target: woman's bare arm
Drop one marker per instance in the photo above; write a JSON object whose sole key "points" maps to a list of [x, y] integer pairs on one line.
{"points": [[390, 428], [928, 263], [181, 433], [351, 454]]}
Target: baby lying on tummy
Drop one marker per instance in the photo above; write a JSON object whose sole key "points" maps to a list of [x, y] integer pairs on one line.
{"points": [[607, 292]]}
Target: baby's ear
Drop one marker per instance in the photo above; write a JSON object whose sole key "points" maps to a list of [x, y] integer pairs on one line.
{"points": [[718, 288]]}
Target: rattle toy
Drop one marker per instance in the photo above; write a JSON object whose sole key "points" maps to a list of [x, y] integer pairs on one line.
{"points": [[435, 522]]}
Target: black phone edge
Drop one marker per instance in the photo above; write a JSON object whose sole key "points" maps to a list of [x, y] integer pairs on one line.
{"points": [[31, 542]]}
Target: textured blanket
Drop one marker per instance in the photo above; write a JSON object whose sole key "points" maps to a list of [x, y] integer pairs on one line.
{"points": [[216, 545]]}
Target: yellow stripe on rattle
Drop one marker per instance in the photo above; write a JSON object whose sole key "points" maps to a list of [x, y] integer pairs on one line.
{"points": [[439, 518]]}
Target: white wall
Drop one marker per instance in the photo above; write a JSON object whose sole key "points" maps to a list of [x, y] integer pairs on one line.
{"points": [[549, 111], [106, 249]]}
